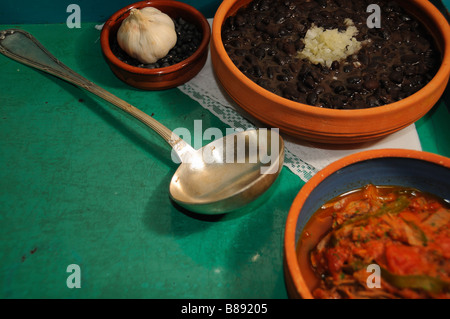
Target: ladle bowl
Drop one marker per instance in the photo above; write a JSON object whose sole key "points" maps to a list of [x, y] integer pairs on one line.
{"points": [[228, 173], [221, 177]]}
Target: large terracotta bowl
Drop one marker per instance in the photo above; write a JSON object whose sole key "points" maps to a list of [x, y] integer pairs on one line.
{"points": [[160, 78], [425, 171], [331, 125]]}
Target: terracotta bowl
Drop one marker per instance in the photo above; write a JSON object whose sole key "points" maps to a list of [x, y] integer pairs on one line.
{"points": [[425, 171], [331, 125], [161, 78]]}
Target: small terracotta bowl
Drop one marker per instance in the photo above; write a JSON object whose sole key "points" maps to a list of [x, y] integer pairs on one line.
{"points": [[160, 78], [395, 167], [332, 126]]}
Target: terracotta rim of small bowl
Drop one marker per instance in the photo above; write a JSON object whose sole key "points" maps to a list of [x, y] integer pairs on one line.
{"points": [[104, 37], [290, 254], [433, 86]]}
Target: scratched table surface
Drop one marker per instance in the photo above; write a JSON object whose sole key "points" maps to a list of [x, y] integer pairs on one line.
{"points": [[83, 184]]}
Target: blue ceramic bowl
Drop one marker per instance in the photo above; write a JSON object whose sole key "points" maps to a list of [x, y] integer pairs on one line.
{"points": [[425, 171]]}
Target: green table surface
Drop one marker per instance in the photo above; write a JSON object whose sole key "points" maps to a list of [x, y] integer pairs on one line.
{"points": [[82, 183]]}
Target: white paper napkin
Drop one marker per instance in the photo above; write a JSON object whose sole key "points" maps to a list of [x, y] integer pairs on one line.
{"points": [[303, 158]]}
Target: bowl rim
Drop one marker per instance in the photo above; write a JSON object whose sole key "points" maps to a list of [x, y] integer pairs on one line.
{"points": [[290, 245], [441, 76], [111, 57]]}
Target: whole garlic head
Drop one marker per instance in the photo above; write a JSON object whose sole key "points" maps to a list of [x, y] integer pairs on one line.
{"points": [[147, 34]]}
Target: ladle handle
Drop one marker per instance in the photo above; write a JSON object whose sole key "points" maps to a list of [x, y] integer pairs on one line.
{"points": [[24, 48]]}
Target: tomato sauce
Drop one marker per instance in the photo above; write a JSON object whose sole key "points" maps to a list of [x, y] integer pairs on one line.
{"points": [[404, 231]]}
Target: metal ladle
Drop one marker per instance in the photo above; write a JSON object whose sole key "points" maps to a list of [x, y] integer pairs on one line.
{"points": [[221, 177]]}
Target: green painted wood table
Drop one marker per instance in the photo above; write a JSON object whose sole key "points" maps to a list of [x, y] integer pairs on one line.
{"points": [[82, 184]]}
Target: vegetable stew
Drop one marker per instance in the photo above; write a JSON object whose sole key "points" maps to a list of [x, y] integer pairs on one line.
{"points": [[404, 232]]}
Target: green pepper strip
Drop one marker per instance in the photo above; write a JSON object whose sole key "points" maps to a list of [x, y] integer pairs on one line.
{"points": [[393, 208], [424, 282], [423, 238]]}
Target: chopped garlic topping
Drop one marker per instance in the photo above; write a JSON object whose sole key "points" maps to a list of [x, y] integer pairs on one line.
{"points": [[325, 46]]}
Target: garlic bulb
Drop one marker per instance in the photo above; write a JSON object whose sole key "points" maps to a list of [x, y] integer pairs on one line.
{"points": [[147, 34]]}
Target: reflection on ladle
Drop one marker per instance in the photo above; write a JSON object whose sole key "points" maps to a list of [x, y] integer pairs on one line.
{"points": [[215, 179]]}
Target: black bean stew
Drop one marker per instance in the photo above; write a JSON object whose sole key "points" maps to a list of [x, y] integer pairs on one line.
{"points": [[189, 38], [264, 38]]}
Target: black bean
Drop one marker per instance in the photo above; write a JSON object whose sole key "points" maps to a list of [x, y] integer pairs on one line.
{"points": [[312, 98], [420, 69], [283, 77], [261, 26], [416, 81], [322, 3], [257, 71], [315, 75], [406, 18], [289, 48], [354, 80], [250, 59], [348, 68], [371, 84], [260, 53], [281, 60], [363, 58], [319, 90], [315, 17], [337, 86], [304, 71], [290, 92], [339, 89], [294, 67], [273, 31], [409, 71], [271, 52], [242, 68], [263, 83], [289, 26], [390, 87], [335, 65], [385, 34], [396, 76], [373, 101], [288, 72], [302, 88], [264, 46], [280, 18], [325, 99], [270, 72], [240, 21], [385, 51], [309, 82], [397, 67], [299, 46], [240, 52], [232, 34], [266, 20], [282, 32], [410, 59]]}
